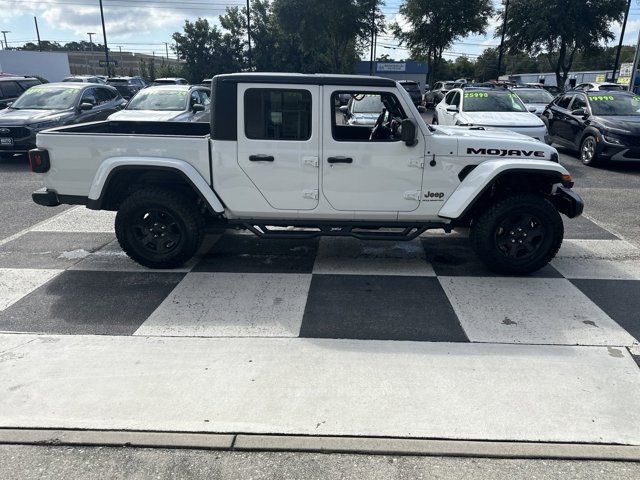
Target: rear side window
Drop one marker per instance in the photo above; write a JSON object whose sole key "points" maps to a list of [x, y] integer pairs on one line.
{"points": [[277, 114], [10, 89], [28, 83], [564, 101], [104, 95]]}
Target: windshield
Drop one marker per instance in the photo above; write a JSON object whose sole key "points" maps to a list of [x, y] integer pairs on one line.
{"points": [[492, 102], [159, 100], [369, 104], [49, 98], [613, 105], [537, 95]]}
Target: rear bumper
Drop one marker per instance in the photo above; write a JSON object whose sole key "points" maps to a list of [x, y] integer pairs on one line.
{"points": [[568, 202], [50, 198]]}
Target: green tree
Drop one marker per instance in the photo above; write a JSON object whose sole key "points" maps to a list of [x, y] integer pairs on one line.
{"points": [[207, 50], [433, 26], [560, 28], [46, 46]]}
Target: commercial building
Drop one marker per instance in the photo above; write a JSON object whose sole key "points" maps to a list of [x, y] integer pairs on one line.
{"points": [[408, 70]]}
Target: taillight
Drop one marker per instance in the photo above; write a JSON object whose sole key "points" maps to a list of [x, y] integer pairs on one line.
{"points": [[39, 160]]}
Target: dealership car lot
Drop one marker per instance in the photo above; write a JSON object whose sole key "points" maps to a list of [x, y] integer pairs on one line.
{"points": [[326, 337]]}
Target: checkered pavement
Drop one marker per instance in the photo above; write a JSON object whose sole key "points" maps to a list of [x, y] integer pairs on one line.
{"points": [[68, 275]]}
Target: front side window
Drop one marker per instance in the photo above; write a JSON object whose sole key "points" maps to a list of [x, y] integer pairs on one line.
{"points": [[579, 102], [368, 116], [277, 114], [449, 98], [564, 101], [10, 89]]}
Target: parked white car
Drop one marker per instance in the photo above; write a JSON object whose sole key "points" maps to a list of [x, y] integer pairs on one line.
{"points": [[487, 107], [168, 103]]}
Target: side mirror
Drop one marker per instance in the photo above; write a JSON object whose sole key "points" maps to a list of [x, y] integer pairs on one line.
{"points": [[198, 107], [579, 112], [344, 109], [452, 109], [85, 106], [8, 104], [408, 134], [532, 109]]}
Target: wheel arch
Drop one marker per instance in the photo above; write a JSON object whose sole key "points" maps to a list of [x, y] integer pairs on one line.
{"points": [[119, 176], [495, 179]]}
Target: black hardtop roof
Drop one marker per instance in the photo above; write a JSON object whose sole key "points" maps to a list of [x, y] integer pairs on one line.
{"points": [[306, 79]]}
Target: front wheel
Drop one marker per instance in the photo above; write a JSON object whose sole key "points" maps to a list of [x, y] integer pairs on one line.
{"points": [[159, 228], [589, 150], [434, 120], [518, 235]]}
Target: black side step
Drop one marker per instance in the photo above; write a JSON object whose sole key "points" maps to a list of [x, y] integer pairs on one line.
{"points": [[363, 232]]}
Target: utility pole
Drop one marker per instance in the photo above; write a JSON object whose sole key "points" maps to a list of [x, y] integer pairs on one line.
{"points": [[504, 31], [166, 47], [4, 34], [249, 36], [373, 30], [104, 36], [636, 58], [624, 27], [35, 19]]}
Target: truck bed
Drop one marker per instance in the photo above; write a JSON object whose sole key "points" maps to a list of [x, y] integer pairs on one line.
{"points": [[123, 127]]}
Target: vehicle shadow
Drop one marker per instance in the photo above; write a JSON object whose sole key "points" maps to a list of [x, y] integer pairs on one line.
{"points": [[609, 165]]}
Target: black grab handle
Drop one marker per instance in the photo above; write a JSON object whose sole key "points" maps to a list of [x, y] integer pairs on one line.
{"points": [[261, 158], [340, 160]]}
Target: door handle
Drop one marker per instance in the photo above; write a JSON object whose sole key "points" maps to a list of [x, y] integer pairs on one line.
{"points": [[261, 158], [340, 160]]}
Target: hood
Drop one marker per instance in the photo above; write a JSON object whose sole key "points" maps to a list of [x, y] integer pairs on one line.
{"points": [[495, 143], [502, 119], [9, 116], [145, 115], [629, 124]]}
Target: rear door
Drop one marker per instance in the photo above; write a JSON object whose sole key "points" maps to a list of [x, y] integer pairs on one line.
{"points": [[278, 142]]}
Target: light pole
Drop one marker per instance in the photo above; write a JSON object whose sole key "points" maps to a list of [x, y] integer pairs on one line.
{"points": [[166, 47], [249, 36], [104, 36], [4, 34], [504, 31], [624, 27]]}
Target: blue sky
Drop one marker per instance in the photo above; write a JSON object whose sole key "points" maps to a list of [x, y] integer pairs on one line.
{"points": [[143, 25]]}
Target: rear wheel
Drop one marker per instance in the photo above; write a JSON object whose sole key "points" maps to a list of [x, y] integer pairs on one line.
{"points": [[159, 228], [589, 151], [518, 235], [434, 120]]}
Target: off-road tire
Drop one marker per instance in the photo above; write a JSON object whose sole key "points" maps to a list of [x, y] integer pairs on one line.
{"points": [[144, 240], [434, 120], [495, 245], [594, 159]]}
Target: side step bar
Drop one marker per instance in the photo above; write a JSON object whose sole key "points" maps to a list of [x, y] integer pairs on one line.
{"points": [[362, 232]]}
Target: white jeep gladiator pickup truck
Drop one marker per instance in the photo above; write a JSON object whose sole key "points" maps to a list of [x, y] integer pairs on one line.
{"points": [[278, 152]]}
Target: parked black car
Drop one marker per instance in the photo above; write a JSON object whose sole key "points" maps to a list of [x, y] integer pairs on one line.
{"points": [[437, 93], [53, 105], [127, 86], [12, 87], [601, 125], [413, 89]]}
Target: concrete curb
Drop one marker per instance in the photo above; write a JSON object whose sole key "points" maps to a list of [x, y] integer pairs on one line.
{"points": [[300, 443]]}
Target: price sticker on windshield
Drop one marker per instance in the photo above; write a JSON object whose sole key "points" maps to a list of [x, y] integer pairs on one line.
{"points": [[476, 95], [601, 98]]}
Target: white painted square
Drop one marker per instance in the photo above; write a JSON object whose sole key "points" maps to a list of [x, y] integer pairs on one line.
{"points": [[351, 256], [599, 250], [530, 310], [232, 304], [598, 269], [79, 219], [15, 283]]}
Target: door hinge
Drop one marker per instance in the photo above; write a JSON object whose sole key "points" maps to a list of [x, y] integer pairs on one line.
{"points": [[313, 194], [412, 195], [417, 162], [313, 161]]}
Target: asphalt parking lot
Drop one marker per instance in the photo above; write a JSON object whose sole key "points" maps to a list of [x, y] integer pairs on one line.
{"points": [[330, 337]]}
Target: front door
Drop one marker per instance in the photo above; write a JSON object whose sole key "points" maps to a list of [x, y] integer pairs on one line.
{"points": [[278, 142], [364, 174]]}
